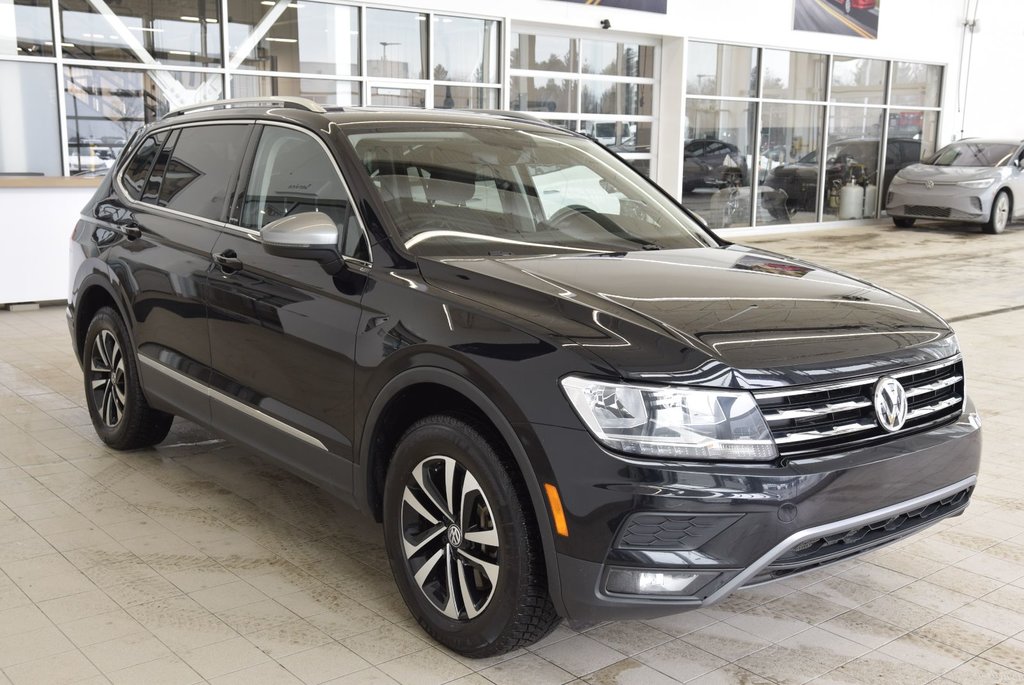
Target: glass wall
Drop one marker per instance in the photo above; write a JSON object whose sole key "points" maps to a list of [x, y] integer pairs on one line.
{"points": [[29, 139], [757, 119], [603, 88], [121, 65]]}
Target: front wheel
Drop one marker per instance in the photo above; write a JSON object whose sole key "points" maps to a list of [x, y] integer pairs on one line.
{"points": [[119, 411], [1000, 216], [903, 222], [464, 551]]}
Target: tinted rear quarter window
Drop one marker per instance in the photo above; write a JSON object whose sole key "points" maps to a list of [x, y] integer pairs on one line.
{"points": [[201, 169], [137, 170]]}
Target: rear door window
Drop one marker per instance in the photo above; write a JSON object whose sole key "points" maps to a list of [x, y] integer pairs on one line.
{"points": [[201, 169]]}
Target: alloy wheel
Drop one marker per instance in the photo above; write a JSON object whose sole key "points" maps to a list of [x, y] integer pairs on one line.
{"points": [[108, 380], [1002, 212], [450, 537]]}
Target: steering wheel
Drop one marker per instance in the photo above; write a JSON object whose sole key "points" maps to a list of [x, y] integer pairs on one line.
{"points": [[570, 211]]}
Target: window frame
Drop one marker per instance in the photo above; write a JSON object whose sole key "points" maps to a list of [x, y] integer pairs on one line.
{"points": [[170, 130], [244, 176]]}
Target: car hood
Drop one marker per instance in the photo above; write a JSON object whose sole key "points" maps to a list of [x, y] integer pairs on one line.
{"points": [[730, 316], [947, 174]]}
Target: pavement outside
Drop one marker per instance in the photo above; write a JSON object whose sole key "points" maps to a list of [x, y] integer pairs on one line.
{"points": [[197, 561]]}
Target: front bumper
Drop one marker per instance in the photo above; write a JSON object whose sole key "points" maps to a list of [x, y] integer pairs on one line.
{"points": [[947, 201], [744, 524]]}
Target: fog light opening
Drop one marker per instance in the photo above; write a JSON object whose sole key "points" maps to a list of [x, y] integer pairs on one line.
{"points": [[627, 581]]}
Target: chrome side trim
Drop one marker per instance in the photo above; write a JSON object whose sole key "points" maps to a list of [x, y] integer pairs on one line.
{"points": [[231, 402], [830, 528]]}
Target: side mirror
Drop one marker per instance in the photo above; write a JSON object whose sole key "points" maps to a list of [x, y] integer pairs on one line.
{"points": [[309, 235]]}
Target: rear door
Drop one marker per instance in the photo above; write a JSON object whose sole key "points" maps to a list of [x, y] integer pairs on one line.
{"points": [[170, 209], [282, 330]]}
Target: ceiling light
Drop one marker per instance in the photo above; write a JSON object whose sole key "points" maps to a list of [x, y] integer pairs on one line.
{"points": [[190, 18], [211, 21], [186, 53], [282, 40]]}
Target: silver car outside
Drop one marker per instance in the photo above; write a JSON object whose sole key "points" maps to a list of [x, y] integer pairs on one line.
{"points": [[989, 195]]}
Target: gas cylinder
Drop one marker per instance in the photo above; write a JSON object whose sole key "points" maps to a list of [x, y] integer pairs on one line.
{"points": [[851, 201], [870, 200]]}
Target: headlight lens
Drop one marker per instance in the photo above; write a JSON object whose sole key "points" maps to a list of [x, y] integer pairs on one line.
{"points": [[898, 180], [672, 422], [979, 183]]}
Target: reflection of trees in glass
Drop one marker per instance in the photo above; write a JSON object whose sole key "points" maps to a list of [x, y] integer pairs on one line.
{"points": [[553, 62], [542, 95]]}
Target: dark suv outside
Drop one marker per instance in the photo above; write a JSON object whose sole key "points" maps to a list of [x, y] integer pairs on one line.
{"points": [[560, 393]]}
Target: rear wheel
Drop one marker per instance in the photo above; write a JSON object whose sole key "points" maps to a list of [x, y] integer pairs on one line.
{"points": [[903, 222], [119, 411], [1000, 216], [464, 552]]}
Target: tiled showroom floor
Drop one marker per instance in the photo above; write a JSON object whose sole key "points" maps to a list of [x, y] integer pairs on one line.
{"points": [[196, 561]]}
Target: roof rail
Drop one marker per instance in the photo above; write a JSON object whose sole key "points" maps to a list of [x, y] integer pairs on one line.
{"points": [[273, 101], [510, 114]]}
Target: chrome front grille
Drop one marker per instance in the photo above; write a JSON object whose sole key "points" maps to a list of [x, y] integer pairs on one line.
{"points": [[821, 419]]}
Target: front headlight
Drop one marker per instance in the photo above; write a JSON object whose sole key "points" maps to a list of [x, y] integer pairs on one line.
{"points": [[978, 183], [898, 180], [672, 422]]}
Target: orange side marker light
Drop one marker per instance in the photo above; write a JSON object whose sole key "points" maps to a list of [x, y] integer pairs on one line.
{"points": [[561, 527]]}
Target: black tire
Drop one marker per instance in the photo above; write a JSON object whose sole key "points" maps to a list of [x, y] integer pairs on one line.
{"points": [[120, 413], [903, 222], [1002, 211], [483, 618]]}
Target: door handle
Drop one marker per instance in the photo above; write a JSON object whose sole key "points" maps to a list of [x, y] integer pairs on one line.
{"points": [[131, 230], [228, 260]]}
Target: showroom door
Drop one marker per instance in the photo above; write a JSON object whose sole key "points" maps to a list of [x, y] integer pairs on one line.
{"points": [[282, 330]]}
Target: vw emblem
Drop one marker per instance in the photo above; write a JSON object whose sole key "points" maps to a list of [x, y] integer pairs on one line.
{"points": [[890, 403], [455, 534], [929, 184]]}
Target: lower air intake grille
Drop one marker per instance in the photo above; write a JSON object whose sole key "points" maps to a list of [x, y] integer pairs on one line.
{"points": [[924, 210], [816, 420], [831, 548]]}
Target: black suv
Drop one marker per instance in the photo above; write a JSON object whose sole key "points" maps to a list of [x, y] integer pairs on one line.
{"points": [[561, 394]]}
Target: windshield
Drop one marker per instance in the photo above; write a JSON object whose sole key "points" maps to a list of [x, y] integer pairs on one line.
{"points": [[974, 154], [494, 191]]}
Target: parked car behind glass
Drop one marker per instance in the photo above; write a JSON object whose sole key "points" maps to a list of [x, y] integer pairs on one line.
{"points": [[976, 181], [845, 158]]}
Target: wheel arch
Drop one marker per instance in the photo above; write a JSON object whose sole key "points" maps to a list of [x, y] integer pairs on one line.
{"points": [[95, 292], [452, 392]]}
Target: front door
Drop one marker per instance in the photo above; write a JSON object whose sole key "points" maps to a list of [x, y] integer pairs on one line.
{"points": [[282, 331]]}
